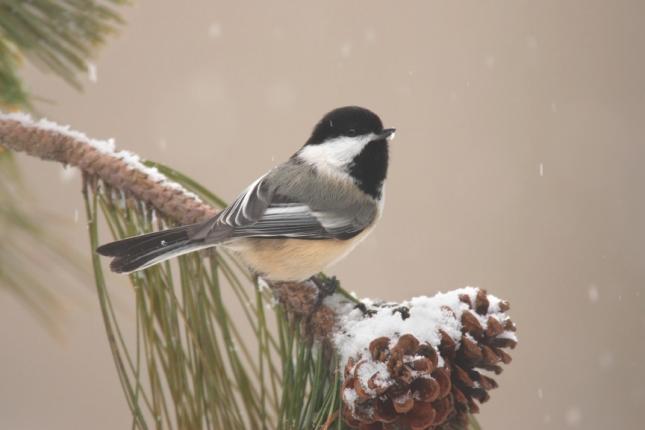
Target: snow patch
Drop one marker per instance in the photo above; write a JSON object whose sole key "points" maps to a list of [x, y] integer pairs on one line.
{"points": [[426, 316]]}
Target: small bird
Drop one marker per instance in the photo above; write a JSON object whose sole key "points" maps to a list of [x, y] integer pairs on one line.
{"points": [[296, 220]]}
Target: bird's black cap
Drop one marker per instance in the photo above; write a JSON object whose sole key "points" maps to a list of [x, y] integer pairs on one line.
{"points": [[345, 121]]}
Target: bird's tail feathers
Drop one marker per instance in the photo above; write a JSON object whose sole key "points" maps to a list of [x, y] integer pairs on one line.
{"points": [[139, 252]]}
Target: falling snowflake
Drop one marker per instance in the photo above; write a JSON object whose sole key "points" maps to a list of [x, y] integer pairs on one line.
{"points": [[593, 294], [214, 30], [346, 50], [573, 417], [92, 72]]}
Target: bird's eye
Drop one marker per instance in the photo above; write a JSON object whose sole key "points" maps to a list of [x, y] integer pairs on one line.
{"points": [[351, 132]]}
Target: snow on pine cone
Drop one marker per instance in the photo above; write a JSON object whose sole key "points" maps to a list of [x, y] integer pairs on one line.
{"points": [[433, 377]]}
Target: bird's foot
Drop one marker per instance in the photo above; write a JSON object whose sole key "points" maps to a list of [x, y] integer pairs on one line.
{"points": [[363, 308], [326, 285]]}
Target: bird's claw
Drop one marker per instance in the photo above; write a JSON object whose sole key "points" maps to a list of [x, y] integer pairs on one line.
{"points": [[326, 285]]}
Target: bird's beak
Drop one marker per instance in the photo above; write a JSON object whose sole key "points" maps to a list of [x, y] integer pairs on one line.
{"points": [[387, 133]]}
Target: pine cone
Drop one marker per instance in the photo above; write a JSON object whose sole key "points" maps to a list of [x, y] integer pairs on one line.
{"points": [[486, 333], [403, 383]]}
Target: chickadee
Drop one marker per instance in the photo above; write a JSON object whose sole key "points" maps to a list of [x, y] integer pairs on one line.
{"points": [[299, 218]]}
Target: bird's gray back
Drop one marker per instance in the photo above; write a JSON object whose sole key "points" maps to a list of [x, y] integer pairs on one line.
{"points": [[337, 195]]}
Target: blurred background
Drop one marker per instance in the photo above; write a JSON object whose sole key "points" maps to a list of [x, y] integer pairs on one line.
{"points": [[517, 167]]}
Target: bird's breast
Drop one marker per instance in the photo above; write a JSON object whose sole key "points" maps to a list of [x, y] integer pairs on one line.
{"points": [[282, 259]]}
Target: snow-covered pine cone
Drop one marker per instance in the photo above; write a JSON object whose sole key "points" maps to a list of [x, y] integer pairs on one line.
{"points": [[403, 382]]}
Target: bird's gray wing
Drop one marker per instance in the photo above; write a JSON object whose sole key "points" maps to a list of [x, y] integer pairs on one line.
{"points": [[298, 220], [261, 211]]}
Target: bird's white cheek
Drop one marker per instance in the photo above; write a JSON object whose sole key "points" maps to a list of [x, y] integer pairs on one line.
{"points": [[335, 153]]}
